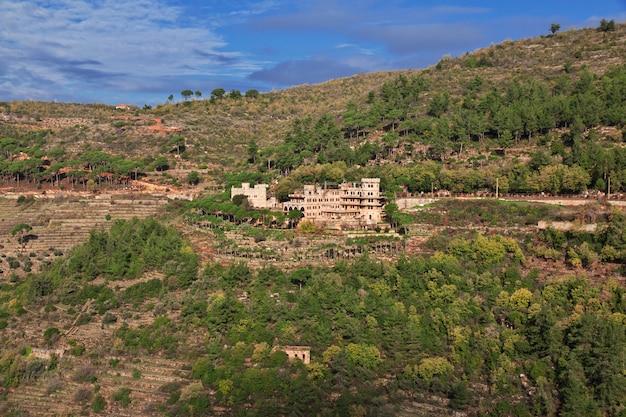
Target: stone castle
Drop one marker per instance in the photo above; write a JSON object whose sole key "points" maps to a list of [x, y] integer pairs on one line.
{"points": [[350, 205]]}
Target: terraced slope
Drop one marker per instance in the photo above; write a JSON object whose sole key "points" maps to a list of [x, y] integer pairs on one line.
{"points": [[72, 390], [63, 221]]}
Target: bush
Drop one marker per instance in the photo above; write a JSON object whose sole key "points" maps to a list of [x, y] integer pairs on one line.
{"points": [[13, 263], [53, 385], [77, 350], [51, 334], [98, 404], [122, 396], [34, 369], [109, 318], [84, 373], [81, 395], [83, 319]]}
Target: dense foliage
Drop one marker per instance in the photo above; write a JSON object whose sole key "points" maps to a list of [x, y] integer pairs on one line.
{"points": [[127, 251], [469, 323], [442, 325], [449, 147]]}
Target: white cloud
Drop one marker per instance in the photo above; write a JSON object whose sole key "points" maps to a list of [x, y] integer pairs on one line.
{"points": [[74, 42]]}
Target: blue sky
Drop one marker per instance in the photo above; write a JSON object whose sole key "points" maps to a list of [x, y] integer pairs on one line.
{"points": [[141, 51]]}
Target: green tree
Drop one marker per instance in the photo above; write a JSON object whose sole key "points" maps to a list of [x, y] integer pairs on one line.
{"points": [[235, 94], [391, 213], [178, 143], [198, 94], [367, 356], [301, 276], [607, 26], [193, 178], [294, 216], [252, 94], [554, 28], [285, 187], [22, 231], [186, 94], [439, 105], [161, 164], [253, 150], [575, 396], [460, 396], [217, 93]]}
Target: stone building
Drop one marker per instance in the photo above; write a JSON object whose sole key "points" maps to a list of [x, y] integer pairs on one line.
{"points": [[351, 204], [257, 195]]}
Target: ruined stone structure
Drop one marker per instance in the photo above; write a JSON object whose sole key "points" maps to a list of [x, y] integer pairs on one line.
{"points": [[42, 353], [302, 353]]}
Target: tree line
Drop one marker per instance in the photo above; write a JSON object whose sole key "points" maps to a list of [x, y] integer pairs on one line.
{"points": [[459, 140], [25, 159]]}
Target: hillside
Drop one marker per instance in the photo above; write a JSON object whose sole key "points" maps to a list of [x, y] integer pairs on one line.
{"points": [[131, 284], [217, 133], [147, 320]]}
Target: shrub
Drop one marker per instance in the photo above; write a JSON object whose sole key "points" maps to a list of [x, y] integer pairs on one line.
{"points": [[77, 350], [83, 319], [51, 334], [53, 385], [122, 396], [109, 318], [81, 395], [84, 373], [98, 404], [13, 263], [34, 369]]}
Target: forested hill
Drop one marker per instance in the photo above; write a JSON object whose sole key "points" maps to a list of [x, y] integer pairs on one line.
{"points": [[535, 115], [466, 308]]}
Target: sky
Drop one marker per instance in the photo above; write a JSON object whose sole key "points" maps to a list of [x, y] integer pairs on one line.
{"points": [[141, 51]]}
